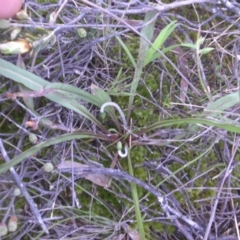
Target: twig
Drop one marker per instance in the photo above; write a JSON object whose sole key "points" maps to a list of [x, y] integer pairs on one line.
{"points": [[122, 175], [214, 208], [24, 191], [58, 12]]}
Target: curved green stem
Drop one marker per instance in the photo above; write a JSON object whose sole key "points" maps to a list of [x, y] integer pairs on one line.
{"points": [[119, 147], [121, 154], [119, 110]]}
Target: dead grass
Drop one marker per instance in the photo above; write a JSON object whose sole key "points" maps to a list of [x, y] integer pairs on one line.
{"points": [[196, 173]]}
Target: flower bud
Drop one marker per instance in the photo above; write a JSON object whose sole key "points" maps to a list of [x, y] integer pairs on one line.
{"points": [[119, 146], [33, 138], [16, 192], [48, 167], [82, 32], [12, 224]]}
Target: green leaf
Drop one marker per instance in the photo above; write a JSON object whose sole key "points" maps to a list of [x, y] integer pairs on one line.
{"points": [[147, 33], [200, 41], [62, 138], [156, 55], [82, 33], [74, 93], [217, 107], [229, 126], [205, 50], [136, 200], [189, 45], [27, 100], [159, 41], [130, 56], [100, 94], [102, 97], [59, 94]]}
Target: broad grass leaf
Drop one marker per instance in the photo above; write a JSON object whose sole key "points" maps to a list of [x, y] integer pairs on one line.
{"points": [[100, 94], [102, 97], [75, 93], [38, 84], [30, 103], [226, 125], [217, 107]]}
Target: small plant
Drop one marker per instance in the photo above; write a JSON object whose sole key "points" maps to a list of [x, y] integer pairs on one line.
{"points": [[124, 139]]}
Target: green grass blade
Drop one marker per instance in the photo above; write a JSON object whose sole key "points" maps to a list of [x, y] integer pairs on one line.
{"points": [[125, 48], [147, 32], [62, 94], [28, 101], [104, 98], [217, 107], [33, 150], [36, 83], [72, 92], [136, 200], [156, 55], [159, 41], [229, 125], [19, 75]]}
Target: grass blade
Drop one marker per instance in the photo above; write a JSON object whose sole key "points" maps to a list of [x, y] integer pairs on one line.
{"points": [[63, 94], [147, 32], [62, 138], [125, 48], [136, 200], [229, 126], [159, 41]]}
